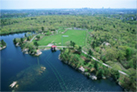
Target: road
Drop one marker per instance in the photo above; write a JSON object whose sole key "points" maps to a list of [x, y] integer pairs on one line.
{"points": [[56, 46]]}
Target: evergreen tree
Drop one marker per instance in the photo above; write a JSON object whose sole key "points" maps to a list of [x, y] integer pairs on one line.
{"points": [[36, 44], [14, 41], [3, 43], [80, 49], [28, 38], [42, 28], [21, 40], [90, 53]]}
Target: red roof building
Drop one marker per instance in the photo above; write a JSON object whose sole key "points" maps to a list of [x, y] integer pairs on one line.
{"points": [[53, 46]]}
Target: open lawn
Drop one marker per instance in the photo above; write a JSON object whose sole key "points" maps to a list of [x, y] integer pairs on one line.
{"points": [[77, 36]]}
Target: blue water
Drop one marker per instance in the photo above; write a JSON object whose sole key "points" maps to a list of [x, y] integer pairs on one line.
{"points": [[16, 66]]}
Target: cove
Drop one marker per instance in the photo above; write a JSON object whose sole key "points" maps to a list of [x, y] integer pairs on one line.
{"points": [[24, 68]]}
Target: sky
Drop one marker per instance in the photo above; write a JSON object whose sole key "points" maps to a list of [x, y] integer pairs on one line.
{"points": [[55, 4]]}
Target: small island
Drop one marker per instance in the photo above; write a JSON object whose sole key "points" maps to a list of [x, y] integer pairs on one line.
{"points": [[2, 44]]}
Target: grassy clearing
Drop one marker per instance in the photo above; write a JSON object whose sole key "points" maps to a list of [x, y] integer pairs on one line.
{"points": [[77, 36], [117, 66], [60, 30], [114, 65]]}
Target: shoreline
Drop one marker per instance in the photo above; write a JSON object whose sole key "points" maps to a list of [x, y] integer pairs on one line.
{"points": [[1, 48], [39, 51], [87, 74], [15, 33]]}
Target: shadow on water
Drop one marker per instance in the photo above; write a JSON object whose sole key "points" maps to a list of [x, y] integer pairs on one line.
{"points": [[28, 77]]}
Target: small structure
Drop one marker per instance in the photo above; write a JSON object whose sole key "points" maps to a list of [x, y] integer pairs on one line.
{"points": [[106, 43], [93, 77], [82, 69], [53, 47], [50, 44], [38, 53], [13, 84]]}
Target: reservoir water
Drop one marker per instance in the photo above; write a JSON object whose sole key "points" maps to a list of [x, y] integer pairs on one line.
{"points": [[25, 70]]}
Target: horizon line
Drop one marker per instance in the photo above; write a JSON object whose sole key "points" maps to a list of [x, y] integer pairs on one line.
{"points": [[64, 8]]}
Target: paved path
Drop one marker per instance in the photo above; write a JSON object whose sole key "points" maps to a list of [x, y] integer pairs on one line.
{"points": [[104, 64], [56, 46], [33, 38]]}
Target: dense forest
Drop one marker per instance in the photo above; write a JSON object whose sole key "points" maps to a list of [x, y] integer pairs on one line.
{"points": [[53, 22], [112, 41]]}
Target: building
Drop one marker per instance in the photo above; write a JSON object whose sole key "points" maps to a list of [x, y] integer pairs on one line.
{"points": [[53, 47]]}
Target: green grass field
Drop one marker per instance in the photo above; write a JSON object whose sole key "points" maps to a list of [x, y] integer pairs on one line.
{"points": [[77, 36]]}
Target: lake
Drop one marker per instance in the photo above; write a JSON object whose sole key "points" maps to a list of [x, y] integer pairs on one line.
{"points": [[27, 71]]}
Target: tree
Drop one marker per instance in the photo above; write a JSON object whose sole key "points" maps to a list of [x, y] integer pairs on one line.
{"points": [[38, 37], [90, 53], [30, 49], [28, 38], [3, 43], [21, 40], [72, 43], [107, 72], [76, 47], [80, 49], [132, 73], [111, 54], [99, 73], [93, 44], [129, 84], [128, 53], [96, 66], [14, 41], [121, 55], [75, 59], [66, 51], [42, 28], [36, 44], [25, 35], [115, 74]]}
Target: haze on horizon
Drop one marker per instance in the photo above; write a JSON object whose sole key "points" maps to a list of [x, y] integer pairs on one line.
{"points": [[57, 4]]}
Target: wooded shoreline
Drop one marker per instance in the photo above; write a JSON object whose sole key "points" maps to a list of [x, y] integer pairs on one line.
{"points": [[95, 73]]}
